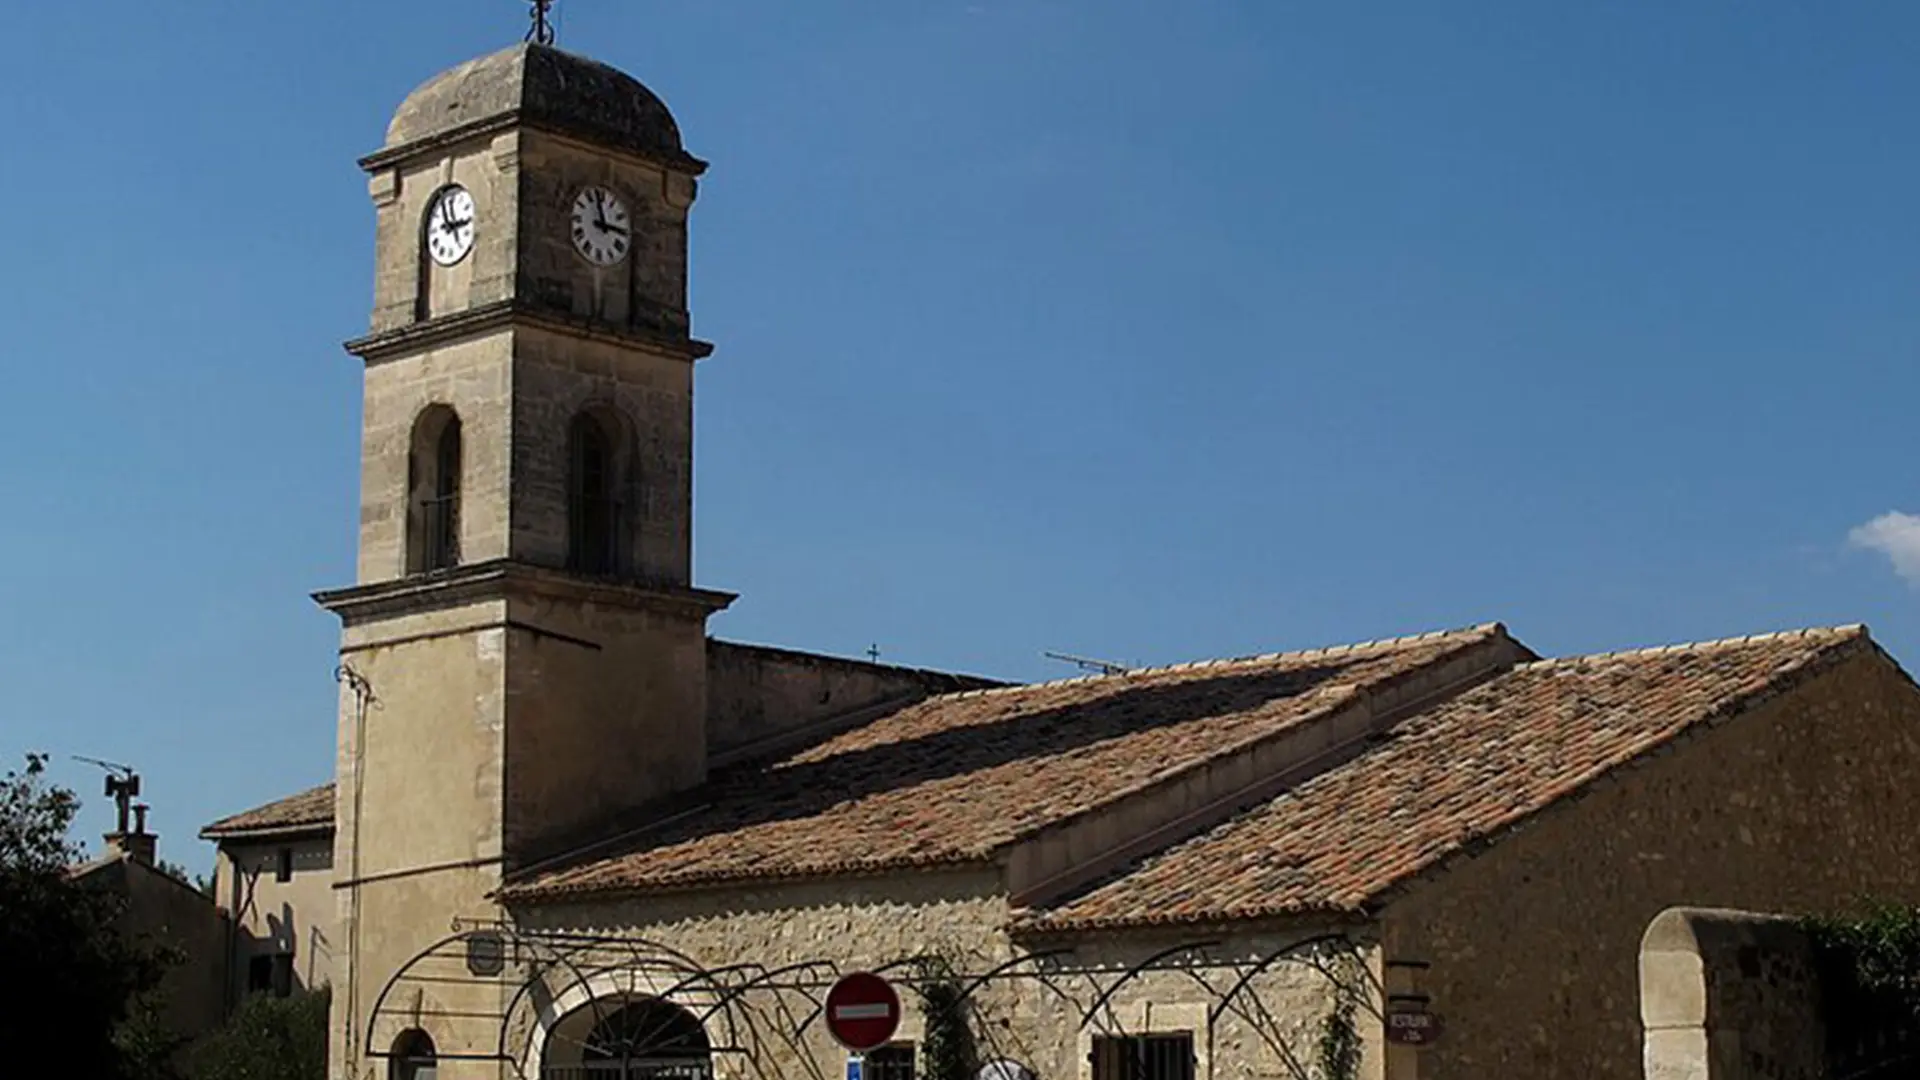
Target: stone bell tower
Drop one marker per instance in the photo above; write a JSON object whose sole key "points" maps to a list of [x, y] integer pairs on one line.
{"points": [[523, 655]]}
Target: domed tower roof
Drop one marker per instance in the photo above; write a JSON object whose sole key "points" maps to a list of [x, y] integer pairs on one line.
{"points": [[542, 87]]}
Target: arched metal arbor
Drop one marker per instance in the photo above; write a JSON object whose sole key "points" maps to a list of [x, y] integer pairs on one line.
{"points": [[524, 980]]}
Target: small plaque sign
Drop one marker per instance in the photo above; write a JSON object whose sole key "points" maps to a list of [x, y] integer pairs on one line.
{"points": [[486, 953], [1413, 1027]]}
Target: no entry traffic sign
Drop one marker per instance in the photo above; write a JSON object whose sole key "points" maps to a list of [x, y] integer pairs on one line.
{"points": [[862, 1011]]}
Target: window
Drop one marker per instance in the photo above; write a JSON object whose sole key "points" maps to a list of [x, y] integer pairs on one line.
{"points": [[270, 973], [433, 491], [283, 865], [1143, 1057], [259, 974], [412, 1057], [893, 1061], [593, 511]]}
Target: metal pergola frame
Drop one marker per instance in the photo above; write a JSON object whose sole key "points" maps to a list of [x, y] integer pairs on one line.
{"points": [[739, 996]]}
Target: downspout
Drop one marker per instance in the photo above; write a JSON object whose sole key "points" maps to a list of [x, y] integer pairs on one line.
{"points": [[362, 692]]}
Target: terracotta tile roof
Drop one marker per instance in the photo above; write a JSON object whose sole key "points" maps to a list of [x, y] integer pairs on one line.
{"points": [[311, 809], [1447, 778], [957, 778]]}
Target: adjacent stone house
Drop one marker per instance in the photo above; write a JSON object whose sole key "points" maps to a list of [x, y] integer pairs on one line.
{"points": [[572, 835], [161, 910], [273, 877]]}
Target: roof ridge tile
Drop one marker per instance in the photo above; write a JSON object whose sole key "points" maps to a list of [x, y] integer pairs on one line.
{"points": [[1840, 634], [1316, 653]]}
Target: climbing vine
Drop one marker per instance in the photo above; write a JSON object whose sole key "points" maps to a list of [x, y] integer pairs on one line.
{"points": [[1868, 964], [947, 1049], [1339, 1056]]}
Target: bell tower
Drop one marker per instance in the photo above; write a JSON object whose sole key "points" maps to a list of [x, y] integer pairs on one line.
{"points": [[523, 653]]}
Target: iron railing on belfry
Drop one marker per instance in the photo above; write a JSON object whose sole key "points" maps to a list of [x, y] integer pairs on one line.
{"points": [[440, 532], [594, 540]]}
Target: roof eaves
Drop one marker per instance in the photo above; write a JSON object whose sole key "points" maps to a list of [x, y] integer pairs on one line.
{"points": [[286, 831], [662, 884]]}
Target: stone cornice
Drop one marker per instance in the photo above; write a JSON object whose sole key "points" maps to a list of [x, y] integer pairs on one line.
{"points": [[375, 348], [505, 579], [388, 156]]}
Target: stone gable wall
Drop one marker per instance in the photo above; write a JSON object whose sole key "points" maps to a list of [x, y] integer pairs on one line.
{"points": [[756, 693], [1803, 805]]}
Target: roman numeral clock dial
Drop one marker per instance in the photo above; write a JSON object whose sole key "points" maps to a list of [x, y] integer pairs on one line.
{"points": [[602, 230]]}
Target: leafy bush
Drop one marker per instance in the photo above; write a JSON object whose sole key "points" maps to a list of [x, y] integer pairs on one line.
{"points": [[267, 1038], [59, 940], [1869, 968]]}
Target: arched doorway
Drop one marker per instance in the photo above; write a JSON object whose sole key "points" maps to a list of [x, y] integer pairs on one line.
{"points": [[640, 1038]]}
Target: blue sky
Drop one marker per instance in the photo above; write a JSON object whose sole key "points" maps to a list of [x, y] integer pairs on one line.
{"points": [[1142, 330]]}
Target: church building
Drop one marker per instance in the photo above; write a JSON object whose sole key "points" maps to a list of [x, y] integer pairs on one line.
{"points": [[571, 835]]}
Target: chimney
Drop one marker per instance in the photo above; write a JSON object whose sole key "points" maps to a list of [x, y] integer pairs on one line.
{"points": [[138, 845]]}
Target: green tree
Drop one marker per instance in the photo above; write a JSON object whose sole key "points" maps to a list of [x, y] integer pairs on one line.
{"points": [[59, 940], [179, 873], [267, 1038]]}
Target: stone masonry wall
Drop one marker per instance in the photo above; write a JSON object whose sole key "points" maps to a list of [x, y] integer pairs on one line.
{"points": [[1727, 995], [555, 377], [755, 692], [271, 916], [1803, 805], [866, 924], [603, 716], [472, 378], [417, 824]]}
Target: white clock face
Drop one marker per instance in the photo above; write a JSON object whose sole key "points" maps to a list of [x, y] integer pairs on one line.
{"points": [[450, 225], [602, 231]]}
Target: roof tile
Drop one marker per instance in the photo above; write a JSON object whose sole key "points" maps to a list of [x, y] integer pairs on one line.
{"points": [[1446, 778], [310, 808], [958, 777]]}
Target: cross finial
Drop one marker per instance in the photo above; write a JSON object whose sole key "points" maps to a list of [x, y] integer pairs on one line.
{"points": [[542, 31]]}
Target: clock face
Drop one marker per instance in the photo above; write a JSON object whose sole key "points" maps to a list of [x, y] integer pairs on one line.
{"points": [[602, 231], [450, 225]]}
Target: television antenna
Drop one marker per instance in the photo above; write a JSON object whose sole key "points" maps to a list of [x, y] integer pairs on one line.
{"points": [[1104, 667], [123, 786]]}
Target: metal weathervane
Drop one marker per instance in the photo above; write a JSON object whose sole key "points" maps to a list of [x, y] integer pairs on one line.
{"points": [[542, 31]]}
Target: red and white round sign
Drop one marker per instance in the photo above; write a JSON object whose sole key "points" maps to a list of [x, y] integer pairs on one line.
{"points": [[862, 1011]]}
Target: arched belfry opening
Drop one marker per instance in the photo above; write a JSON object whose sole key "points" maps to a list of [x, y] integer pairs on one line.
{"points": [[638, 1038], [596, 481], [433, 491]]}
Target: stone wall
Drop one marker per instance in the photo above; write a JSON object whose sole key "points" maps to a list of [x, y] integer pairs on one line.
{"points": [[756, 693], [1804, 804], [269, 916], [1726, 995], [163, 909], [650, 401], [867, 924]]}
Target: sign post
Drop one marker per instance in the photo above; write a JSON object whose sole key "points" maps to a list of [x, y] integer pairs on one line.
{"points": [[863, 1012]]}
